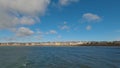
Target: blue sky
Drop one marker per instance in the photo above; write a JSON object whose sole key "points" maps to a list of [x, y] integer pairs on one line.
{"points": [[59, 20]]}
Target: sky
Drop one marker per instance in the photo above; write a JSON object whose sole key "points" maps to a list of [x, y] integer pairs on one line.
{"points": [[59, 20]]}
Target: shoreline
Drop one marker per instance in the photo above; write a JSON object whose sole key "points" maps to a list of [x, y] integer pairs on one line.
{"points": [[71, 43], [58, 45]]}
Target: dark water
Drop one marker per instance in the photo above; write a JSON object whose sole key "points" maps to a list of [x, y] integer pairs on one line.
{"points": [[60, 57]]}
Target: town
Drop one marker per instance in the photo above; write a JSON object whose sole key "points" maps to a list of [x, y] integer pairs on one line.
{"points": [[68, 43]]}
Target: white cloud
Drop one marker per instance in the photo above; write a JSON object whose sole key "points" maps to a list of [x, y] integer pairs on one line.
{"points": [[64, 26], [8, 39], [59, 36], [29, 9], [23, 31], [37, 37], [51, 32], [25, 20], [89, 17], [39, 32], [6, 21], [66, 2], [9, 21], [88, 27], [25, 6]]}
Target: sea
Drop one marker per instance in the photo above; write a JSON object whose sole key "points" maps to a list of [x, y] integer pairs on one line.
{"points": [[60, 57]]}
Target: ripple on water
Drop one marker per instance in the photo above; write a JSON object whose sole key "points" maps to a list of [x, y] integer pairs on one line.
{"points": [[60, 57]]}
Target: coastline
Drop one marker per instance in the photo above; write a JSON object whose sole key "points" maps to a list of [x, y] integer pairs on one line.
{"points": [[71, 43]]}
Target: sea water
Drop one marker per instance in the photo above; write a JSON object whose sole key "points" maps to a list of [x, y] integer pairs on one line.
{"points": [[60, 57]]}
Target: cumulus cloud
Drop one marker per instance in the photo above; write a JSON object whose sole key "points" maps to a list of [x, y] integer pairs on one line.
{"points": [[25, 20], [66, 2], [6, 21], [29, 9], [25, 6], [23, 31], [90, 17], [88, 27]]}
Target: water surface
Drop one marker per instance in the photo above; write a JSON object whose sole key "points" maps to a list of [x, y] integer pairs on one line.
{"points": [[60, 57]]}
